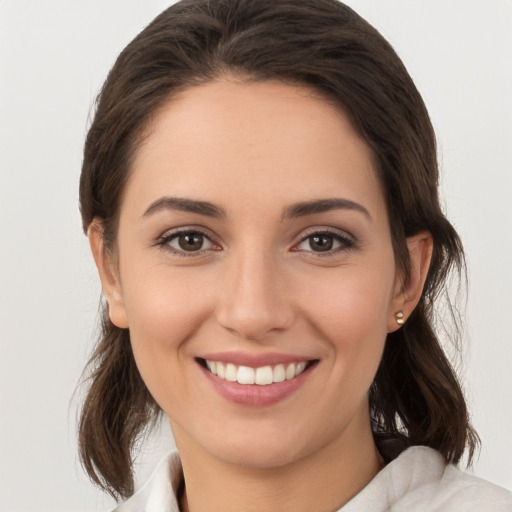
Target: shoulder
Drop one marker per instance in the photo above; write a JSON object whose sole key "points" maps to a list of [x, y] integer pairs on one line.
{"points": [[433, 485], [159, 492], [420, 480], [458, 488]]}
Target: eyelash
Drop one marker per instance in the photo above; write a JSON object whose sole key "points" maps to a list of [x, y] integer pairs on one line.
{"points": [[345, 242], [165, 240]]}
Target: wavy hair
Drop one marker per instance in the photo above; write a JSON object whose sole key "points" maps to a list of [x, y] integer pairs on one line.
{"points": [[416, 397]]}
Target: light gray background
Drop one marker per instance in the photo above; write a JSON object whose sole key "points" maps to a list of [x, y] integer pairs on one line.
{"points": [[54, 56]]}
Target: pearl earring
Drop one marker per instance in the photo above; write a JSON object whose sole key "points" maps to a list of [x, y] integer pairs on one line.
{"points": [[400, 318]]}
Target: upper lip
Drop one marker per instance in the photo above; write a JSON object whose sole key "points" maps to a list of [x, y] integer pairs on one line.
{"points": [[254, 360]]}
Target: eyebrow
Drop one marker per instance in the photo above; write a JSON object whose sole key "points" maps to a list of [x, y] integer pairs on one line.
{"points": [[323, 205], [208, 209], [185, 205]]}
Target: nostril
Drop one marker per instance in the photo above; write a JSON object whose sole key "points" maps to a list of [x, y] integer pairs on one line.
{"points": [[258, 324], [252, 301]]}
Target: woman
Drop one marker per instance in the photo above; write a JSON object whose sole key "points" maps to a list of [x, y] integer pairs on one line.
{"points": [[259, 188]]}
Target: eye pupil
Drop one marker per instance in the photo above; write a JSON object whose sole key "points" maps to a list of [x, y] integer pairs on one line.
{"points": [[190, 241], [321, 243]]}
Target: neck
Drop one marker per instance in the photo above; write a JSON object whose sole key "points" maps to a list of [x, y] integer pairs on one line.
{"points": [[323, 481]]}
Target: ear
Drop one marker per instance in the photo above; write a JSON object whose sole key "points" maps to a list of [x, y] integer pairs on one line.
{"points": [[408, 294], [109, 277]]}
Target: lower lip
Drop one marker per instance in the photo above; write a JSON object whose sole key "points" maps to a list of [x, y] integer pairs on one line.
{"points": [[254, 395]]}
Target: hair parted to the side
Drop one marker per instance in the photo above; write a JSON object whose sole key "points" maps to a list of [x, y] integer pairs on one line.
{"points": [[318, 43]]}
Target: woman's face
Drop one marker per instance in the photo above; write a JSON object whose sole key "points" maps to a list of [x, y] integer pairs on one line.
{"points": [[254, 240]]}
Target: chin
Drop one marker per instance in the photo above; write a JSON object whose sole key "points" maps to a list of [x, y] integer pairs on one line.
{"points": [[259, 455], [259, 449]]}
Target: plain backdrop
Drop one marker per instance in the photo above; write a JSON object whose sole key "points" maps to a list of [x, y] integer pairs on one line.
{"points": [[54, 56]]}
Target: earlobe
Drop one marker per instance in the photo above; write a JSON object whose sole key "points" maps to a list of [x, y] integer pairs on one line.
{"points": [[420, 252], [108, 275]]}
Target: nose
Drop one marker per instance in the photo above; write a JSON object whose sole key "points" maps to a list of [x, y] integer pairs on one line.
{"points": [[254, 301]]}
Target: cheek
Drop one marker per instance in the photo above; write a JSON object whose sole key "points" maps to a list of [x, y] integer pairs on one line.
{"points": [[354, 329], [352, 305], [164, 304], [164, 311], [350, 313]]}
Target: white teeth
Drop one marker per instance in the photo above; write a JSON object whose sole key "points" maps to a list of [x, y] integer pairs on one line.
{"points": [[290, 372], [245, 375], [300, 368], [231, 372], [212, 366], [279, 375], [262, 376]]}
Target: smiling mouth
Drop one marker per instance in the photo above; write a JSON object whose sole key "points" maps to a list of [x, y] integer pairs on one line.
{"points": [[261, 376]]}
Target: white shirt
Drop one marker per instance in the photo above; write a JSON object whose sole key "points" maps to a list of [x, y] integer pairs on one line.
{"points": [[416, 481]]}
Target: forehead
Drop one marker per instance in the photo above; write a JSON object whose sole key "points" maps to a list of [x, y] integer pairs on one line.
{"points": [[265, 141]]}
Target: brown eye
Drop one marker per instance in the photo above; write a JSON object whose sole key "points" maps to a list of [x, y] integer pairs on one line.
{"points": [[321, 243], [325, 242], [189, 241]]}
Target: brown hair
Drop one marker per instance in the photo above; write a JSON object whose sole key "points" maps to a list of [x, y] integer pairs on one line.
{"points": [[323, 44]]}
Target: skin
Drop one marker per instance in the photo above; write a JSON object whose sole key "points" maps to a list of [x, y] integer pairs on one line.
{"points": [[258, 285]]}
